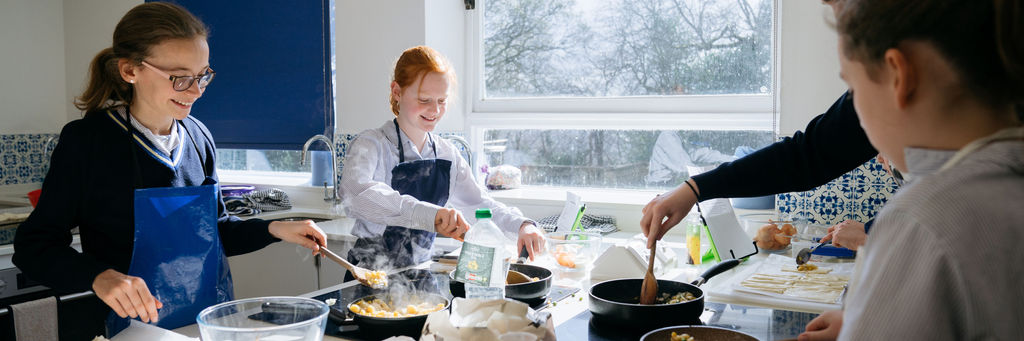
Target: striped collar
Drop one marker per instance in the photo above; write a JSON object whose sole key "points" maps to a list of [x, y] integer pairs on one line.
{"points": [[171, 161]]}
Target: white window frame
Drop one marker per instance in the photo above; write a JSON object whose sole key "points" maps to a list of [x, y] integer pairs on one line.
{"points": [[708, 112]]}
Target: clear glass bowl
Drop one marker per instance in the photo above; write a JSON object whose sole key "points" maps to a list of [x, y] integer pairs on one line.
{"points": [[574, 251], [264, 318]]}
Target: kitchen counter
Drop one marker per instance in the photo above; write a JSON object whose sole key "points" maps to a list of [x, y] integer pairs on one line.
{"points": [[572, 318]]}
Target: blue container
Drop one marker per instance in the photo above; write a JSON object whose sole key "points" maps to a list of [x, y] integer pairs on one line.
{"points": [[322, 169], [754, 203]]}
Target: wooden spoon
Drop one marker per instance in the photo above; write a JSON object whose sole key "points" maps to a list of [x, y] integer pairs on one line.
{"points": [[516, 277], [649, 290], [361, 274]]}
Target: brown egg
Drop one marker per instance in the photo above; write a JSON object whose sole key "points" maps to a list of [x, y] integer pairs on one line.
{"points": [[767, 237], [788, 229]]}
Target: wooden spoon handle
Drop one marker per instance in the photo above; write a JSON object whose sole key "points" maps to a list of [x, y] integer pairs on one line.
{"points": [[333, 256]]}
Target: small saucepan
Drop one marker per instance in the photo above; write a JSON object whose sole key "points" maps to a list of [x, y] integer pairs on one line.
{"points": [[617, 301], [525, 292], [385, 327]]}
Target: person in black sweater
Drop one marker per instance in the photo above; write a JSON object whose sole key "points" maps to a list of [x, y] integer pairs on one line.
{"points": [[832, 144], [134, 108]]}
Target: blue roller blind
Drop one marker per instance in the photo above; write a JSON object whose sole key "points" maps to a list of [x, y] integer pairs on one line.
{"points": [[275, 77]]}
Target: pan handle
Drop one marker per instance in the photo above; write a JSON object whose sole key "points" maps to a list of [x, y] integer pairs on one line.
{"points": [[341, 318], [715, 270]]}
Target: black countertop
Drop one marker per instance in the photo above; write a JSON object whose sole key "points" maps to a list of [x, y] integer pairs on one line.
{"points": [[762, 323]]}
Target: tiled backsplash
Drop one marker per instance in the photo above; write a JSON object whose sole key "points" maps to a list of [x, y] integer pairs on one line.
{"points": [[24, 157], [857, 195]]}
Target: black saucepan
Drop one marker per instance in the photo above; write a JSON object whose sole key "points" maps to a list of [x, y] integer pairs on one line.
{"points": [[617, 302], [698, 333], [385, 327], [525, 292]]}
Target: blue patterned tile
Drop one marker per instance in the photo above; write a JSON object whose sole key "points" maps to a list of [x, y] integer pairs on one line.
{"points": [[874, 198], [24, 157], [856, 195]]}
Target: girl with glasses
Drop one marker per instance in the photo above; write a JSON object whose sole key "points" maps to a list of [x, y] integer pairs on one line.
{"points": [[137, 176]]}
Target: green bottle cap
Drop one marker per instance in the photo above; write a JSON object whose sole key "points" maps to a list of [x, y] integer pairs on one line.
{"points": [[483, 213]]}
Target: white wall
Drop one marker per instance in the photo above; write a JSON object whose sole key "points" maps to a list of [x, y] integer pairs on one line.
{"points": [[445, 27], [369, 37], [88, 28], [32, 75], [809, 73]]}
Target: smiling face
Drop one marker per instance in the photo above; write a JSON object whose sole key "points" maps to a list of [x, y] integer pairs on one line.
{"points": [[876, 106], [422, 104], [155, 97]]}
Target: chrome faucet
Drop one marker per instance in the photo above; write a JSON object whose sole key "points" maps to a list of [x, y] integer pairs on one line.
{"points": [[465, 146], [331, 196]]}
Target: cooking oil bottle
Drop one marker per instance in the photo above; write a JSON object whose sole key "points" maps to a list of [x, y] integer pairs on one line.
{"points": [[483, 263]]}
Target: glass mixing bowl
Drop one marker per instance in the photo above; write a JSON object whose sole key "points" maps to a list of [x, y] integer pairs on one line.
{"points": [[264, 318]]}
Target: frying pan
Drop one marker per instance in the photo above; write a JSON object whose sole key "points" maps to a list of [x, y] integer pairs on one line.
{"points": [[617, 302], [699, 333], [525, 292], [385, 327]]}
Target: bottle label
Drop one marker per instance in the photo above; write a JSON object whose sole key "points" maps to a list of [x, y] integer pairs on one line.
{"points": [[484, 293], [475, 264]]}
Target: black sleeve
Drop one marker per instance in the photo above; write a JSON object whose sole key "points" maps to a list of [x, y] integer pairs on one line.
{"points": [[832, 144], [42, 243], [236, 235]]}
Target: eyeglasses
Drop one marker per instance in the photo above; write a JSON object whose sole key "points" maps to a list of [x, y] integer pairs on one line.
{"points": [[182, 83]]}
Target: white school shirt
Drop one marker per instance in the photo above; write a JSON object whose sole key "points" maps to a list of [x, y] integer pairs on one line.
{"points": [[368, 197]]}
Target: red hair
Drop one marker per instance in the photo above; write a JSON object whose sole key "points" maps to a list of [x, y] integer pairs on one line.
{"points": [[414, 64]]}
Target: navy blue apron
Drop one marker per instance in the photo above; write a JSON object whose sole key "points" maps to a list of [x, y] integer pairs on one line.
{"points": [[426, 180], [177, 248]]}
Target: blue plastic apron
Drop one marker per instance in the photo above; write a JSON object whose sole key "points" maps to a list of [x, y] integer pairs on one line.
{"points": [[177, 250], [426, 180]]}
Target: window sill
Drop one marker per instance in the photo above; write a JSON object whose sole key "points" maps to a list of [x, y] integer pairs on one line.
{"points": [[264, 177], [590, 195], [540, 201]]}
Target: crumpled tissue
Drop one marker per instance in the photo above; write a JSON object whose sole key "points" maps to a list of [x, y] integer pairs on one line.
{"points": [[488, 320]]}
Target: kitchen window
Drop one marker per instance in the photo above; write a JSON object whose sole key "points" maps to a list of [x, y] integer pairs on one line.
{"points": [[610, 94]]}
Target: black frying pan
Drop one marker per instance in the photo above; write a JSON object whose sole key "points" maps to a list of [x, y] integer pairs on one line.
{"points": [[699, 333], [525, 292], [385, 327], [617, 301]]}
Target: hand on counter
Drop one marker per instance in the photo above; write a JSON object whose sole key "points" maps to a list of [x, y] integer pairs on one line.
{"points": [[450, 223], [304, 233], [531, 238], [665, 211], [127, 295], [824, 327]]}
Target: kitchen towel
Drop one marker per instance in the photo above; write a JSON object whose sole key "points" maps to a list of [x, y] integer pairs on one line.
{"points": [[599, 223], [256, 202], [36, 320]]}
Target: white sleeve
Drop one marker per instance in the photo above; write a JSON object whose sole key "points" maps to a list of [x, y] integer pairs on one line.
{"points": [[371, 200], [467, 196], [906, 290]]}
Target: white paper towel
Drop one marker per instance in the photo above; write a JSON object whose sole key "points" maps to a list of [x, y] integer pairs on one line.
{"points": [[139, 331]]}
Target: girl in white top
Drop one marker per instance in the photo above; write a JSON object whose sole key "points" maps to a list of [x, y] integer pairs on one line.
{"points": [[935, 84], [404, 184]]}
